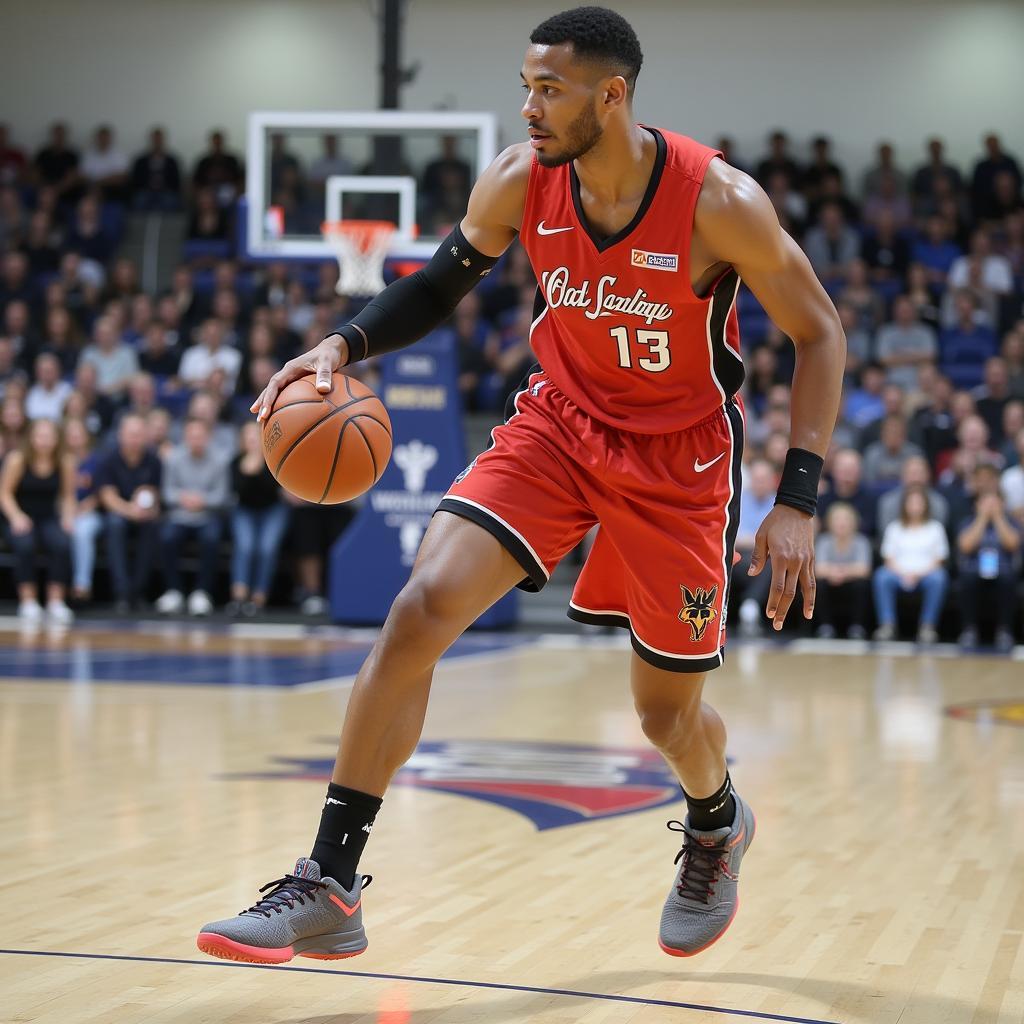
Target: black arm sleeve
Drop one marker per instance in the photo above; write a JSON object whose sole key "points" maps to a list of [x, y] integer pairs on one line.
{"points": [[413, 306]]}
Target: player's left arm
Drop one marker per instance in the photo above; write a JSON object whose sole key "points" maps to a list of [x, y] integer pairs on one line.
{"points": [[737, 224]]}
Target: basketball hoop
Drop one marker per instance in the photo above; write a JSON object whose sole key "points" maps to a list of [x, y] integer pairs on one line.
{"points": [[361, 247]]}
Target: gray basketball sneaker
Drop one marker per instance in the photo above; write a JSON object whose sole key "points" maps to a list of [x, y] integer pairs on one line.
{"points": [[303, 915], [704, 899]]}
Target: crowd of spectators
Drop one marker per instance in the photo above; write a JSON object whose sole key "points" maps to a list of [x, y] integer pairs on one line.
{"points": [[923, 490]]}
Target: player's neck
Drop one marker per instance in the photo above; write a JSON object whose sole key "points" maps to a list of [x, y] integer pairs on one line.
{"points": [[619, 167]]}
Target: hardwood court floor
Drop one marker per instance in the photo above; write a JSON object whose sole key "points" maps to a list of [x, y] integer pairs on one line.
{"points": [[886, 883]]}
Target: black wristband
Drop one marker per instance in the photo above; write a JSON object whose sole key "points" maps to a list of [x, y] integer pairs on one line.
{"points": [[799, 485]]}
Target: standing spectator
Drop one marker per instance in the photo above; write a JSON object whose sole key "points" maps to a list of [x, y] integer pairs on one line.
{"points": [[195, 494], [883, 460], [915, 550], [885, 169], [105, 167], [447, 172], [986, 172], [831, 245], [88, 522], [37, 497], [115, 362], [331, 162], [915, 473], [56, 164], [821, 166], [989, 545], [199, 361], [220, 170], [49, 394], [778, 159], [905, 345], [924, 184], [842, 568], [756, 500], [128, 482], [156, 176], [258, 524]]}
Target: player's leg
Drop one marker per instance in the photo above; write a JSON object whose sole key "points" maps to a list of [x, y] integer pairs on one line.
{"points": [[461, 570]]}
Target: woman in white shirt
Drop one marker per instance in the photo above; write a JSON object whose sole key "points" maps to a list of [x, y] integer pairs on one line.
{"points": [[915, 549]]}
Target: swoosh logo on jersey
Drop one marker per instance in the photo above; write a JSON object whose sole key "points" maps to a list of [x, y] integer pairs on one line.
{"points": [[541, 230], [698, 468]]}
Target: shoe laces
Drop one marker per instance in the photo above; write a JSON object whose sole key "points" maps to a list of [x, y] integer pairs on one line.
{"points": [[285, 892], [702, 865]]}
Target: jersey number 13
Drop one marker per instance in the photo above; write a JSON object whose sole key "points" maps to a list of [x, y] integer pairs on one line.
{"points": [[658, 357]]}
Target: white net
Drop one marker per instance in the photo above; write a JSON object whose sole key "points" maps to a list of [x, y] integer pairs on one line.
{"points": [[361, 247]]}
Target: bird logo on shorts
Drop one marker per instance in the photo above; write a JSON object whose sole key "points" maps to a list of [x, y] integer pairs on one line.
{"points": [[698, 609]]}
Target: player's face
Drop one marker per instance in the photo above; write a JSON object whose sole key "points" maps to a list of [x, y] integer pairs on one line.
{"points": [[560, 105]]}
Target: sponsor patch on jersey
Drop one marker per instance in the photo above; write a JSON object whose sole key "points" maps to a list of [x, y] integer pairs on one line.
{"points": [[655, 260], [698, 609], [551, 784], [1002, 712]]}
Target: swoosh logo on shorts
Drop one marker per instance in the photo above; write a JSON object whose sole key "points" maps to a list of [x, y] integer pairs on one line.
{"points": [[541, 230], [698, 468]]}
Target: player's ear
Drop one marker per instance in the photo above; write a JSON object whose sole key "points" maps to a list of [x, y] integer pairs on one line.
{"points": [[615, 91]]}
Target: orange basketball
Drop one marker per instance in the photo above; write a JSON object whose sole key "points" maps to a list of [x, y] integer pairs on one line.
{"points": [[327, 448]]}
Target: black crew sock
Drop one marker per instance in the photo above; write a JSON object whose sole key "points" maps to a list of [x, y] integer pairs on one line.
{"points": [[715, 811], [345, 825]]}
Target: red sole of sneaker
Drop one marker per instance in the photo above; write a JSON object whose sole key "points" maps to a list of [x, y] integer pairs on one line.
{"points": [[227, 949]]}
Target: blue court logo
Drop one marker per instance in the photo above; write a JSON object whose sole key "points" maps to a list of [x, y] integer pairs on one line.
{"points": [[552, 784]]}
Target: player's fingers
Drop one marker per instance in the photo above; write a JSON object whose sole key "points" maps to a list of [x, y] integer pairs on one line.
{"points": [[789, 573], [258, 403], [270, 394], [808, 586], [323, 373], [775, 591], [759, 554]]}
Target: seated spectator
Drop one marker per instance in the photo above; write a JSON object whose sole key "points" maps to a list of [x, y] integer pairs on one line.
{"points": [[13, 424], [915, 550], [821, 166], [863, 403], [78, 443], [331, 162], [9, 368], [904, 345], [122, 285], [865, 300], [140, 399], [936, 251], [756, 500], [199, 361], [915, 473], [258, 524], [991, 397], [49, 394], [105, 167], [62, 338], [56, 164], [13, 165], [883, 460], [888, 202], [956, 475], [845, 484], [1013, 424], [209, 220], [994, 270], [37, 497], [884, 169], [885, 252], [923, 297], [987, 171], [114, 361], [209, 406], [157, 355], [859, 343], [1013, 355], [790, 205], [86, 402], [156, 176], [894, 401], [128, 483], [966, 346], [195, 495], [17, 327], [447, 172], [831, 245], [219, 170], [15, 284], [1013, 482], [89, 237], [228, 311], [989, 546], [41, 246], [842, 569]]}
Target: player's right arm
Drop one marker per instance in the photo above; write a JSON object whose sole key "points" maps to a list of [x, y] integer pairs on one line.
{"points": [[413, 306]]}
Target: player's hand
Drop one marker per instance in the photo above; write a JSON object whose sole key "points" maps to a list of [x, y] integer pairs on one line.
{"points": [[787, 538], [322, 360]]}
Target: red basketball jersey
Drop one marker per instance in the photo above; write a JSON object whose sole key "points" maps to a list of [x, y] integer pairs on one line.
{"points": [[619, 329]]}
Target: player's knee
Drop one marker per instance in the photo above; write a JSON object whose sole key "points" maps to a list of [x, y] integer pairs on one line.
{"points": [[428, 605], [667, 724]]}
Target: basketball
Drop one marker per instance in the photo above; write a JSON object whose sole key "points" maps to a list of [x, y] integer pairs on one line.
{"points": [[327, 448]]}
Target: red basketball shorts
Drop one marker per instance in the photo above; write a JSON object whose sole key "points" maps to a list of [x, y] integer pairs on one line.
{"points": [[666, 507]]}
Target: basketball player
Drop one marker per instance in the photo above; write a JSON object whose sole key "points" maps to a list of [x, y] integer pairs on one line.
{"points": [[639, 238]]}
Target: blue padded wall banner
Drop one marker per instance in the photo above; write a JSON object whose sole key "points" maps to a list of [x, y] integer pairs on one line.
{"points": [[370, 562]]}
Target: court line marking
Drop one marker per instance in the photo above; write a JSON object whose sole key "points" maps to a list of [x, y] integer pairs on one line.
{"points": [[455, 982]]}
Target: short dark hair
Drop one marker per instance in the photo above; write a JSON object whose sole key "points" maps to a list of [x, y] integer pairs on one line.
{"points": [[596, 34]]}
